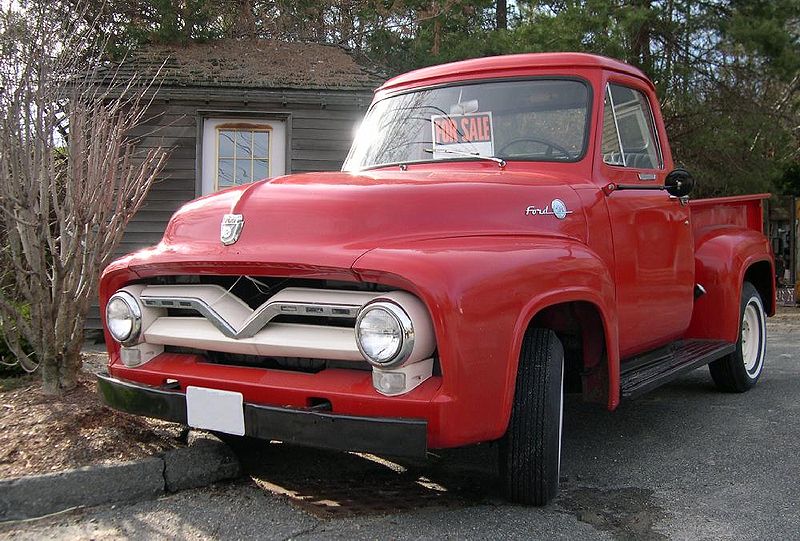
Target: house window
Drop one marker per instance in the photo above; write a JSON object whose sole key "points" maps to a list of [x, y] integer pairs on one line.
{"points": [[243, 155], [237, 151]]}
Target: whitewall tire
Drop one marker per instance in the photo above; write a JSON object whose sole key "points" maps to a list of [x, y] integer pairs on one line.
{"points": [[740, 370]]}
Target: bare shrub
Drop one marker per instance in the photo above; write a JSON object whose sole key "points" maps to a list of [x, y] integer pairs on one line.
{"points": [[71, 178]]}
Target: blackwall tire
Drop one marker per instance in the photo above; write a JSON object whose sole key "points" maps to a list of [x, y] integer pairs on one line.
{"points": [[739, 371], [530, 451]]}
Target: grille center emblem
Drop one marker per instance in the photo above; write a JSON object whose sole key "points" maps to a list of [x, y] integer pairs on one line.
{"points": [[231, 228]]}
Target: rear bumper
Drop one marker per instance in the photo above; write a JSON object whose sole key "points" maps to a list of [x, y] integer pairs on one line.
{"points": [[379, 435]]}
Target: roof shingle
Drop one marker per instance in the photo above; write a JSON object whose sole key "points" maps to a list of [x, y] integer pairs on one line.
{"points": [[253, 63]]}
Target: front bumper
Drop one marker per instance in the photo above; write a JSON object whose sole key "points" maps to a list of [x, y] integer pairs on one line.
{"points": [[379, 435]]}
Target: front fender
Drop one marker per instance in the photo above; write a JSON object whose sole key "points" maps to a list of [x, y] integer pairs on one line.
{"points": [[482, 292]]}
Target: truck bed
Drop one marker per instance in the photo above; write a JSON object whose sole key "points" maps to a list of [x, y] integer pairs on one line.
{"points": [[745, 211]]}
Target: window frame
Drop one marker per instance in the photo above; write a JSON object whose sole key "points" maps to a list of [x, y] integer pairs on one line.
{"points": [[205, 149], [652, 128], [242, 127]]}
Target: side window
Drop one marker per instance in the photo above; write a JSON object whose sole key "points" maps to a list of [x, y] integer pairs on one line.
{"points": [[629, 137]]}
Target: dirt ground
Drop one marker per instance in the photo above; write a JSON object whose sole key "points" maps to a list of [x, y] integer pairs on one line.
{"points": [[40, 433], [786, 319]]}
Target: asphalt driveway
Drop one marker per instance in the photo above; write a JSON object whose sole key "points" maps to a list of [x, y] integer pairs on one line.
{"points": [[682, 462]]}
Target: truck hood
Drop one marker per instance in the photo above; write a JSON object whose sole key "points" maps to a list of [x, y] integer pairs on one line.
{"points": [[331, 219]]}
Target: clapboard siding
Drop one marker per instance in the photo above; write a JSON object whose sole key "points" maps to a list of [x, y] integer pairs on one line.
{"points": [[316, 165], [155, 141], [135, 240], [149, 130], [320, 144], [170, 205], [147, 218], [175, 175], [181, 164], [167, 195], [299, 122], [334, 156], [176, 119], [170, 182], [321, 127]]}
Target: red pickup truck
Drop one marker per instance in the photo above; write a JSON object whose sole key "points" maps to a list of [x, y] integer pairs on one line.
{"points": [[503, 229]]}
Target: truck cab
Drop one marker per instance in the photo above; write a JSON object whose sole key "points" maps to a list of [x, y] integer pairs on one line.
{"points": [[503, 229]]}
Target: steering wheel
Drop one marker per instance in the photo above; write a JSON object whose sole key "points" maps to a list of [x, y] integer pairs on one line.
{"points": [[551, 146]]}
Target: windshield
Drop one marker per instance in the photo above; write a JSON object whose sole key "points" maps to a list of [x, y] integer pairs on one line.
{"points": [[540, 120]]}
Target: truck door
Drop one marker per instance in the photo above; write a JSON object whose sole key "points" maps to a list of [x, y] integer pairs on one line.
{"points": [[652, 236]]}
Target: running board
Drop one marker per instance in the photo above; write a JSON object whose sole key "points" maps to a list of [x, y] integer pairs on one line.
{"points": [[649, 370]]}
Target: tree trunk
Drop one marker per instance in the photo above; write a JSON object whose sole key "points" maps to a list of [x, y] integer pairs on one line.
{"points": [[60, 370], [437, 30], [502, 14], [640, 37], [50, 375], [68, 373]]}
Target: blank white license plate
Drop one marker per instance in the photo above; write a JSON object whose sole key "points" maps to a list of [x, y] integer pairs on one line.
{"points": [[212, 409]]}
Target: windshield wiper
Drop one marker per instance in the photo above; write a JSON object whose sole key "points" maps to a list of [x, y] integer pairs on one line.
{"points": [[499, 161]]}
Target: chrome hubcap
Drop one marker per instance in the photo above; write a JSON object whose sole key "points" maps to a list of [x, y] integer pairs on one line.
{"points": [[751, 339]]}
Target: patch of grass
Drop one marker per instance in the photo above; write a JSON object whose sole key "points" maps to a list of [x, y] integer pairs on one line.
{"points": [[15, 382]]}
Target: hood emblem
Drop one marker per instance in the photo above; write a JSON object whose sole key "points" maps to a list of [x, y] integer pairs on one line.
{"points": [[231, 228], [556, 208]]}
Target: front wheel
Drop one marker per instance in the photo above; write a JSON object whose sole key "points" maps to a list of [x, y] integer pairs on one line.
{"points": [[530, 451], [740, 370]]}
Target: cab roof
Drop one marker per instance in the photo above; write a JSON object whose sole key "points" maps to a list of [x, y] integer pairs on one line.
{"points": [[495, 66]]}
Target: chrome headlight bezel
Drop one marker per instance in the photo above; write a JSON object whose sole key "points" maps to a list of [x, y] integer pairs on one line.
{"points": [[404, 324], [132, 338]]}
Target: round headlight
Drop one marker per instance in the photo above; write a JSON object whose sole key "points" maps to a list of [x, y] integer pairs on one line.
{"points": [[123, 318], [384, 334]]}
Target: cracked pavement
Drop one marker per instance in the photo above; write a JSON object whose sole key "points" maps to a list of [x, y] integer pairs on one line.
{"points": [[682, 462]]}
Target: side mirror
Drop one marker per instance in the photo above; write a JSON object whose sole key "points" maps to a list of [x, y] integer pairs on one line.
{"points": [[679, 182]]}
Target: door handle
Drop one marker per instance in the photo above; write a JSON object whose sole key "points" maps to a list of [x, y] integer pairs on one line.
{"points": [[612, 187]]}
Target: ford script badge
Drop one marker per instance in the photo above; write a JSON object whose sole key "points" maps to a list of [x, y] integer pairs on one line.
{"points": [[231, 228], [556, 208]]}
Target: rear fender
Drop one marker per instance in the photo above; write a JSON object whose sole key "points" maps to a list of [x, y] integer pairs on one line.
{"points": [[482, 293], [722, 259]]}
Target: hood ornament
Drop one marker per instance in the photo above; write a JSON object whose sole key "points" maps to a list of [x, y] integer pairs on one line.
{"points": [[231, 228]]}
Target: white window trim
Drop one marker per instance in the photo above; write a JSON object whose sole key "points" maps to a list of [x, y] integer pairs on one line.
{"points": [[208, 116]]}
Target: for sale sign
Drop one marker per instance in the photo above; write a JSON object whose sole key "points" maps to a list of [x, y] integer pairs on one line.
{"points": [[460, 135]]}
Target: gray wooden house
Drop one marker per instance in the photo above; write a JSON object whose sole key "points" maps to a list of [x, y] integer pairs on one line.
{"points": [[235, 111]]}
